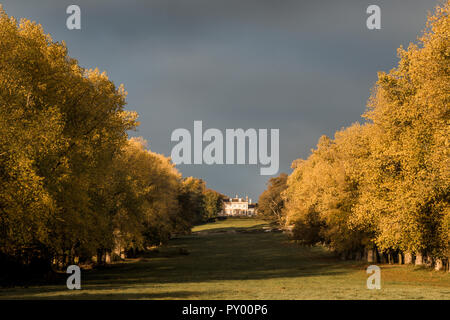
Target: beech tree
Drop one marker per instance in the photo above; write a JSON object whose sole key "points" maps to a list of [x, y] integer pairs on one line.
{"points": [[146, 191], [408, 180], [60, 126], [213, 203], [385, 185], [191, 198], [72, 185], [270, 203], [323, 190]]}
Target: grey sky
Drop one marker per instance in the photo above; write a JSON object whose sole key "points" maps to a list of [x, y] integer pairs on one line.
{"points": [[304, 67]]}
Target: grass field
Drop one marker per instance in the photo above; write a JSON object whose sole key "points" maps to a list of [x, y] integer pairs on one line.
{"points": [[234, 259]]}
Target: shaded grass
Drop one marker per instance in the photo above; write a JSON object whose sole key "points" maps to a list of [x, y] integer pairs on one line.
{"points": [[225, 263]]}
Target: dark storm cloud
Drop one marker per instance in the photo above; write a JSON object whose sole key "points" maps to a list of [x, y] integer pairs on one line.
{"points": [[305, 67]]}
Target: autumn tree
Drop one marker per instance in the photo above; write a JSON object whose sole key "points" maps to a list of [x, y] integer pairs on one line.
{"points": [[146, 194], [270, 203], [72, 185], [213, 204], [60, 127], [406, 194], [385, 185], [191, 198], [323, 190]]}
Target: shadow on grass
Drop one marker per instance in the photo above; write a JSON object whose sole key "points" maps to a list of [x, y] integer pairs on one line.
{"points": [[224, 257], [104, 294], [214, 257]]}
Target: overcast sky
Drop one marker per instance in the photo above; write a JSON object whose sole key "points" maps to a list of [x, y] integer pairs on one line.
{"points": [[303, 67]]}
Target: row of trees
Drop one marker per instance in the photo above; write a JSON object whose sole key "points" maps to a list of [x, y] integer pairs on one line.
{"points": [[72, 184], [381, 189]]}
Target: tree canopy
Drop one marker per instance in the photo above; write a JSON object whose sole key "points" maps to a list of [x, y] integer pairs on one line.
{"points": [[385, 184], [72, 183]]}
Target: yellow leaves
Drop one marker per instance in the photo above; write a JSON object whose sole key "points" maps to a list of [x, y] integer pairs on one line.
{"points": [[390, 178], [121, 90], [406, 104], [322, 182], [60, 127], [148, 186]]}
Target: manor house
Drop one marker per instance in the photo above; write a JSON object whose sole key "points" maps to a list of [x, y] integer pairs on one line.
{"points": [[238, 207]]}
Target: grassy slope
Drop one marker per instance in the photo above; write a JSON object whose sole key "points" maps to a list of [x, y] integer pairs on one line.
{"points": [[238, 265]]}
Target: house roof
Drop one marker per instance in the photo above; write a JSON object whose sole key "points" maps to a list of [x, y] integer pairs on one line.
{"points": [[253, 205]]}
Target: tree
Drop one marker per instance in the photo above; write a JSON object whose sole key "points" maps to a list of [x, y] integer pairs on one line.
{"points": [[323, 189], [408, 181], [385, 185], [60, 127], [191, 198], [270, 203], [213, 204], [72, 185], [141, 196]]}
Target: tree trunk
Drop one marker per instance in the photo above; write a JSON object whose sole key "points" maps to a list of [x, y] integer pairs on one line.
{"points": [[99, 256], [390, 258], [400, 258], [108, 257], [438, 265], [371, 257], [429, 261], [408, 258], [419, 259]]}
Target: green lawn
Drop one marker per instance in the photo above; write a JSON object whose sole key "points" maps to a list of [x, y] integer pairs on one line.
{"points": [[231, 224], [231, 260]]}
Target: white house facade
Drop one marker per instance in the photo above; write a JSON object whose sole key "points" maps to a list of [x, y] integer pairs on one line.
{"points": [[238, 207]]}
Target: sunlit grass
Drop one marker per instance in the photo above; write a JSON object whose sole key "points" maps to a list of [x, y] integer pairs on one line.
{"points": [[243, 265], [231, 224]]}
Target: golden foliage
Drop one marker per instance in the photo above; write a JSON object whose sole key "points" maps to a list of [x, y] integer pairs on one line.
{"points": [[71, 183], [386, 183]]}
